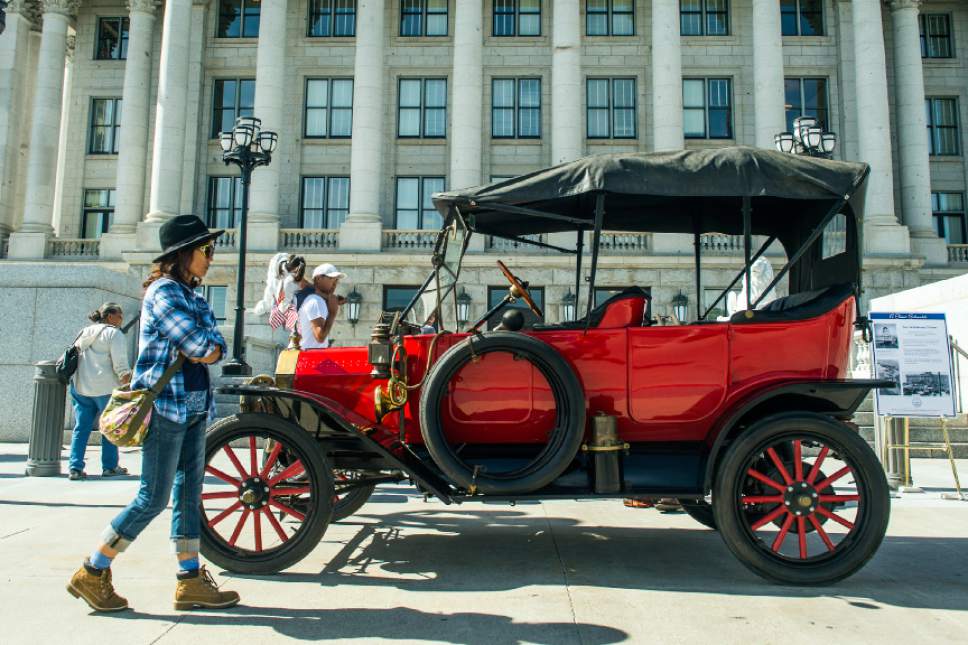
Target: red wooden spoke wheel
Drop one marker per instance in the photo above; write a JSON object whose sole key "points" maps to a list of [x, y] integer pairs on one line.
{"points": [[784, 517], [268, 494]]}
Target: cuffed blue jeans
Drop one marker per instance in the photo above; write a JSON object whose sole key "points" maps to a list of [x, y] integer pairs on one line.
{"points": [[172, 465], [87, 409]]}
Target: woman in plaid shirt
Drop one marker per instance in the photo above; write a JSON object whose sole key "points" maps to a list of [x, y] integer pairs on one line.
{"points": [[174, 320]]}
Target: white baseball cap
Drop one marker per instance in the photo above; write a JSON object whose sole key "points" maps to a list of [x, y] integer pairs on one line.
{"points": [[327, 270]]}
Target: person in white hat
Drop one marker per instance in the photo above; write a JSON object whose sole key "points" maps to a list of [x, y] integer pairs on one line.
{"points": [[318, 309]]}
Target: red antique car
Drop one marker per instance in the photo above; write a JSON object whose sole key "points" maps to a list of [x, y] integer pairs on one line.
{"points": [[745, 421]]}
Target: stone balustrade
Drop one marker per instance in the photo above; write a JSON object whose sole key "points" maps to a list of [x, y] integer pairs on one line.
{"points": [[70, 249], [402, 240], [621, 243], [958, 253], [719, 243], [504, 245], [226, 240], [308, 239]]}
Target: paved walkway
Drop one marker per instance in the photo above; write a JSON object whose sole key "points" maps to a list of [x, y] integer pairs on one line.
{"points": [[406, 570]]}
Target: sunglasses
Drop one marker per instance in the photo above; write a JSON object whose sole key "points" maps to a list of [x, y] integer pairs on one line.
{"points": [[208, 250]]}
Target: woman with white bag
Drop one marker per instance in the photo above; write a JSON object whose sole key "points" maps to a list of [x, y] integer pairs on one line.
{"points": [[102, 365]]}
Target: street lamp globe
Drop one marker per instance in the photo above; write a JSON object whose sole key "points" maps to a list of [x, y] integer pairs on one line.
{"points": [[226, 140], [268, 141], [784, 142], [568, 303], [463, 308], [680, 307], [829, 142], [353, 301]]}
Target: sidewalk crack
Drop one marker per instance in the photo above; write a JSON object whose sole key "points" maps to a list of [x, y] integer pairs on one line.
{"points": [[564, 574]]}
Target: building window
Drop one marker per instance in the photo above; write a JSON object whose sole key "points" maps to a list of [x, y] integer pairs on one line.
{"points": [[709, 295], [707, 108], [801, 17], [496, 294], [332, 18], [611, 108], [238, 19], [112, 39], [806, 97], [415, 209], [423, 108], [98, 214], [517, 17], [105, 126], [397, 298], [423, 17], [224, 201], [232, 98], [329, 108], [949, 216], [215, 297], [704, 17], [942, 126], [516, 108], [325, 202], [609, 18], [935, 35]]}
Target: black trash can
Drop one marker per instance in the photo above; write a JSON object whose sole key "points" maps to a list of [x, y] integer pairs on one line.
{"points": [[47, 424]]}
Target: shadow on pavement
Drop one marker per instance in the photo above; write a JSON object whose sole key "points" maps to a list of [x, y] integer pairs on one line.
{"points": [[395, 623], [501, 550]]}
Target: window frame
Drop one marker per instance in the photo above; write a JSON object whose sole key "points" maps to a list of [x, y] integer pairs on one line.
{"points": [[327, 209], [706, 108], [333, 14], [609, 14], [104, 211], [205, 291], [124, 30], [236, 107], [420, 210], [243, 14], [329, 107], [933, 128], [386, 289], [537, 293], [423, 13], [941, 217], [798, 13], [516, 14], [516, 108], [611, 109], [114, 128], [235, 207], [824, 122], [704, 13], [422, 108], [926, 37]]}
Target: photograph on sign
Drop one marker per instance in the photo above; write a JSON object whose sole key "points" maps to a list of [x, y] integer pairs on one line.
{"points": [[912, 351]]}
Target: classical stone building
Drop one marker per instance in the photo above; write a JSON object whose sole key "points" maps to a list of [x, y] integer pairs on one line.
{"points": [[109, 113]]}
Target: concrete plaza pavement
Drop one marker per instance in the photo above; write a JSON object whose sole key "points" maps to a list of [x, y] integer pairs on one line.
{"points": [[406, 570]]}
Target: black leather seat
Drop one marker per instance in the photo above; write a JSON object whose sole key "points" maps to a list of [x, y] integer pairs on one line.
{"points": [[599, 312], [799, 306]]}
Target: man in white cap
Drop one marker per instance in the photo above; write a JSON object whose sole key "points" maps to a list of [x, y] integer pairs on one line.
{"points": [[318, 309]]}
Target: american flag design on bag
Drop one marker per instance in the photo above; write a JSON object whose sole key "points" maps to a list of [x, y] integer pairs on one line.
{"points": [[283, 314]]}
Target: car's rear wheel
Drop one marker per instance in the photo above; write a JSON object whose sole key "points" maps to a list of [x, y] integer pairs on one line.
{"points": [[349, 497], [829, 525], [267, 497]]}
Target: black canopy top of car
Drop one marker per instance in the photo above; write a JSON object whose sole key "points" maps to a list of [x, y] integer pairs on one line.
{"points": [[665, 192]]}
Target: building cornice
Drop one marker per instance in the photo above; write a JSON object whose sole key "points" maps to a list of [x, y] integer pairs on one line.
{"points": [[29, 9], [63, 7], [143, 6]]}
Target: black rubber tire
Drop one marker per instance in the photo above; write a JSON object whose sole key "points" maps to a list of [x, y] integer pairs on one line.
{"points": [[870, 524], [699, 510], [351, 502], [565, 439], [319, 472]]}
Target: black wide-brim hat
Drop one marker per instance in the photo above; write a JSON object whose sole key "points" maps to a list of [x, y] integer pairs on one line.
{"points": [[183, 231]]}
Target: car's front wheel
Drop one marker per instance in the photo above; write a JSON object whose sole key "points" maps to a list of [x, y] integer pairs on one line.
{"points": [[801, 499]]}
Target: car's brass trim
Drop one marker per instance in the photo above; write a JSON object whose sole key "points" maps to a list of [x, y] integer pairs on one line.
{"points": [[286, 367]]}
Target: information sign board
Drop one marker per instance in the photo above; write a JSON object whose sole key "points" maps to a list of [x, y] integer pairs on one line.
{"points": [[912, 350]]}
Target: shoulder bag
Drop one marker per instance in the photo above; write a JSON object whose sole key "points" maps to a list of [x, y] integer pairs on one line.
{"points": [[127, 415]]}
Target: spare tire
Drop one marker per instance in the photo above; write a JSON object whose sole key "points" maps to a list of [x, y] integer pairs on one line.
{"points": [[564, 439]]}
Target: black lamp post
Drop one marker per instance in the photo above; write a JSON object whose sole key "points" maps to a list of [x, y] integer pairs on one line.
{"points": [[353, 301], [248, 147], [680, 307], [463, 308], [568, 302], [807, 138]]}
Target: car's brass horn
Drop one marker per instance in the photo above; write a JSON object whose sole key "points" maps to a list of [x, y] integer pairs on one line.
{"points": [[394, 395]]}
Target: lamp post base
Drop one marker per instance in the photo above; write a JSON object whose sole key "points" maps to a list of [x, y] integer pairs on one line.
{"points": [[235, 367]]}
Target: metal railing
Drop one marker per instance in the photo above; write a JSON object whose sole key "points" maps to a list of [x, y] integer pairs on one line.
{"points": [[958, 253], [504, 245], [309, 238], [226, 240], [409, 240], [70, 249]]}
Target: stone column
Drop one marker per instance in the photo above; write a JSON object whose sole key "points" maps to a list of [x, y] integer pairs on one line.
{"points": [[30, 240], [133, 144], [881, 232], [14, 54], [912, 123], [566, 82], [768, 95], [57, 212], [362, 230], [196, 139], [169, 142], [270, 93], [666, 76], [468, 99]]}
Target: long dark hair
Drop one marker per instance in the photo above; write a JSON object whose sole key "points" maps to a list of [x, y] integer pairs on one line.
{"points": [[296, 265], [174, 266]]}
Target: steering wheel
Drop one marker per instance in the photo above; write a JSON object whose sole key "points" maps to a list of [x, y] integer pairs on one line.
{"points": [[518, 290]]}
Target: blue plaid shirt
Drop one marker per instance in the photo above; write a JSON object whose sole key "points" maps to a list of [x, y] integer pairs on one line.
{"points": [[173, 319]]}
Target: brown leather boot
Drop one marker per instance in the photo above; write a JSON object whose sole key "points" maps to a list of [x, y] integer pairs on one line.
{"points": [[198, 589], [94, 586]]}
